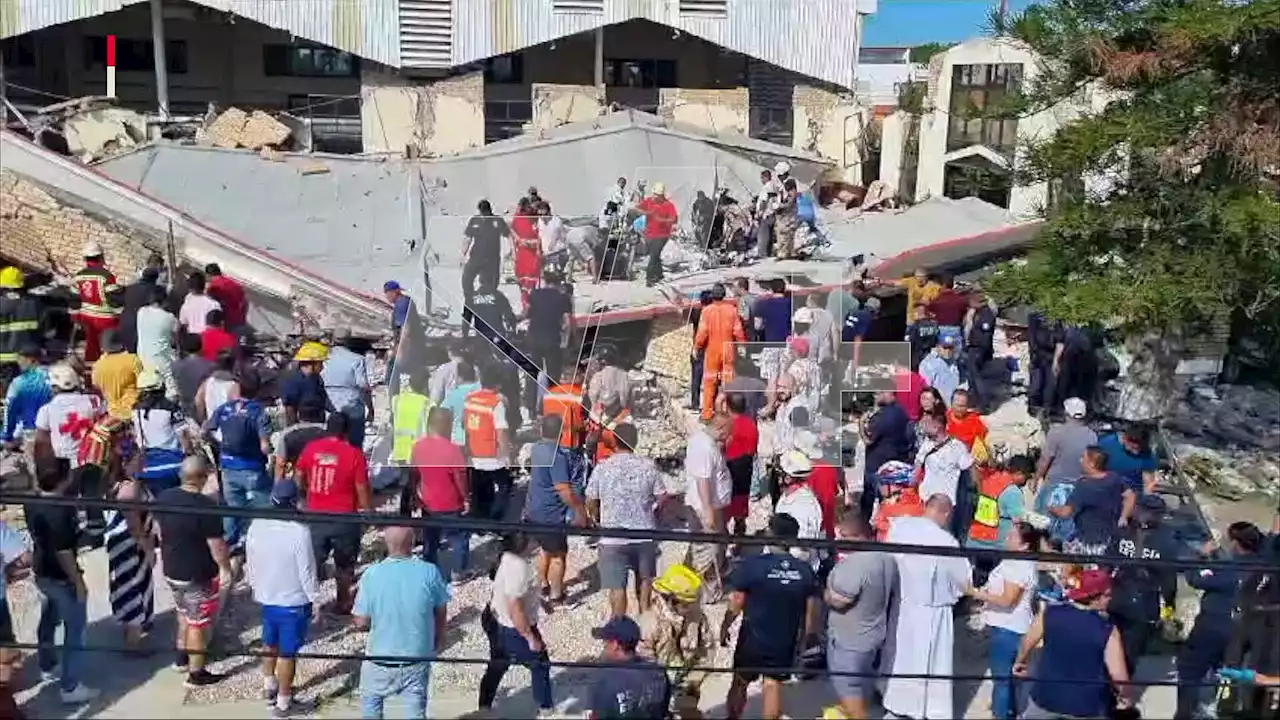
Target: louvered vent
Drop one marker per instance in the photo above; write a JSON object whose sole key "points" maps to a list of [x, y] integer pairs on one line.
{"points": [[705, 8], [426, 33], [578, 7]]}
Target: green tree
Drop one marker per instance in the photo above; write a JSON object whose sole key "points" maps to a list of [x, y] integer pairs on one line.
{"points": [[924, 53], [1164, 211]]}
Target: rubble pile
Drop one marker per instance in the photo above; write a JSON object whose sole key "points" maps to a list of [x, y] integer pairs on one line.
{"points": [[668, 355], [1227, 439], [235, 128]]}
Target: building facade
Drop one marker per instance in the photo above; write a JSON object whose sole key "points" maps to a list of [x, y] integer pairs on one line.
{"points": [[439, 76]]}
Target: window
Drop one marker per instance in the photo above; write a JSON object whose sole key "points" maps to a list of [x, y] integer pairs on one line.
{"points": [[640, 73], [19, 52], [578, 7], [976, 89], [280, 60], [705, 8], [135, 55], [884, 56], [505, 70]]}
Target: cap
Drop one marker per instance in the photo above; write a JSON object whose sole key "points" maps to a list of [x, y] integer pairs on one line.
{"points": [[659, 188], [679, 581], [1075, 407], [92, 249], [796, 463], [390, 285], [1089, 585], [284, 494], [622, 630], [30, 350], [947, 340], [803, 315], [11, 278]]}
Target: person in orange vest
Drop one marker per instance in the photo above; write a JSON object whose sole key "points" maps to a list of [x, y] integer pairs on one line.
{"points": [[719, 327], [1000, 504], [601, 427], [100, 300], [565, 400], [484, 421]]}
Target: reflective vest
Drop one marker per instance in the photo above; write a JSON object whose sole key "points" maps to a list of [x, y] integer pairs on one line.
{"points": [[478, 413], [986, 518], [19, 324], [906, 504], [95, 285], [566, 401], [608, 444], [408, 423]]}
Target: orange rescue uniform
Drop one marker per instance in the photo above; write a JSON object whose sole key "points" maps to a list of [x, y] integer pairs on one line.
{"points": [[95, 285], [565, 400], [608, 444], [906, 503], [478, 423], [719, 327]]}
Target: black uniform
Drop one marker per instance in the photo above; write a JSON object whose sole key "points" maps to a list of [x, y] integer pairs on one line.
{"points": [[1207, 643], [20, 316], [1078, 369], [1043, 336], [1138, 589], [1255, 642], [978, 351], [491, 315], [922, 336]]}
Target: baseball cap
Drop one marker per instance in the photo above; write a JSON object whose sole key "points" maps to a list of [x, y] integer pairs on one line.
{"points": [[390, 285], [947, 340], [1090, 584], [796, 463], [622, 630], [284, 494], [1075, 407]]}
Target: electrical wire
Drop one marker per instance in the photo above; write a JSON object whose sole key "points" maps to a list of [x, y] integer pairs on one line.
{"points": [[499, 527], [34, 91]]}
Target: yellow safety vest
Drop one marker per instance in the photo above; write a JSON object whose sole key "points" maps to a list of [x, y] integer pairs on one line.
{"points": [[408, 423]]}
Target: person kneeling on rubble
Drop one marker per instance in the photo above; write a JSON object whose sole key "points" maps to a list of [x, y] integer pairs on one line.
{"points": [[674, 633]]}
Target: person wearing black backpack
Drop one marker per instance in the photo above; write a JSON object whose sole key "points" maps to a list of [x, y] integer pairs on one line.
{"points": [[1140, 591]]}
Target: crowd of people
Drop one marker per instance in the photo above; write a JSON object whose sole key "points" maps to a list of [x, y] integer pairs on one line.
{"points": [[166, 423]]}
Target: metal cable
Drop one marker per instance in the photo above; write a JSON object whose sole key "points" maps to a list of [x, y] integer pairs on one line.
{"points": [[499, 527], [581, 664]]}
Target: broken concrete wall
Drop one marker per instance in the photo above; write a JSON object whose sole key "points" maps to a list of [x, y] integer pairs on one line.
{"points": [[715, 110], [555, 105], [237, 129], [105, 131], [421, 118], [831, 124], [36, 226]]}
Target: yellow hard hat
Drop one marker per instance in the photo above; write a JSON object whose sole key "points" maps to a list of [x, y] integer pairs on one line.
{"points": [[312, 352], [834, 713], [11, 278], [680, 581]]}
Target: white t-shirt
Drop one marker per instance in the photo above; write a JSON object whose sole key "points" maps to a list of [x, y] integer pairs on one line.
{"points": [[1018, 618], [802, 505], [551, 233], [514, 579], [194, 310], [942, 468], [156, 330], [499, 424], [157, 428], [67, 418], [703, 459]]}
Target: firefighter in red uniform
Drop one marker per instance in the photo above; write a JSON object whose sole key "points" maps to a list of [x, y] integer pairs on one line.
{"points": [[99, 309]]}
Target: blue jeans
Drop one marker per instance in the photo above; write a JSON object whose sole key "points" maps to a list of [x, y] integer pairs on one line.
{"points": [[459, 544], [240, 489], [507, 646], [1004, 691], [61, 607], [379, 682]]}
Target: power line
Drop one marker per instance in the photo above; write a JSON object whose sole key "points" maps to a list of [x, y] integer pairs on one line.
{"points": [[499, 527]]}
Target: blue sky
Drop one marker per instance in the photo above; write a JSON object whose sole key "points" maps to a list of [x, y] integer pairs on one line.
{"points": [[913, 22]]}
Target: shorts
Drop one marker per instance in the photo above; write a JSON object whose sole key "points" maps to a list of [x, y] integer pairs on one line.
{"points": [[552, 543], [6, 622], [196, 602], [285, 628], [343, 539], [847, 660], [747, 655], [616, 560], [738, 508]]}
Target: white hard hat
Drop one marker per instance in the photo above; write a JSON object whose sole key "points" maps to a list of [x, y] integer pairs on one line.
{"points": [[782, 167], [64, 377], [803, 315], [796, 463], [92, 249], [659, 188]]}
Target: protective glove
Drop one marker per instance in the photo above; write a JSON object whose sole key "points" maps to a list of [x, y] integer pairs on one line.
{"points": [[1238, 675], [1166, 613]]}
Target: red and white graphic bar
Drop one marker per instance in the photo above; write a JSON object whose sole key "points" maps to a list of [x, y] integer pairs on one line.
{"points": [[111, 66]]}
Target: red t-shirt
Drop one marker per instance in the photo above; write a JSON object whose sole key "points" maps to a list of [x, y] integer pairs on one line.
{"points": [[655, 226], [908, 388], [442, 470], [230, 295], [744, 438], [332, 468], [213, 340], [824, 481], [949, 308]]}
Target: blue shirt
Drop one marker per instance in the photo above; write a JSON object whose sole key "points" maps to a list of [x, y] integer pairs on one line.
{"points": [[243, 425], [774, 312], [1125, 464], [400, 595], [28, 392], [857, 324], [940, 374], [400, 312], [298, 389], [635, 689], [454, 400], [1075, 641], [345, 377], [889, 437], [550, 467], [777, 586], [1096, 504]]}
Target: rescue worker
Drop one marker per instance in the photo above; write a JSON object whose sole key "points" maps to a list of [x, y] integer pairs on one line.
{"points": [[303, 385], [488, 436], [602, 442], [999, 506], [1142, 595], [409, 411], [565, 399], [1255, 640], [1043, 336], [19, 322], [99, 300], [719, 327], [979, 347], [1075, 365], [675, 633]]}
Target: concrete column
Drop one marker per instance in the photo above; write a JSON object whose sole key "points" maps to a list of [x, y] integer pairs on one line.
{"points": [[599, 56], [160, 55]]}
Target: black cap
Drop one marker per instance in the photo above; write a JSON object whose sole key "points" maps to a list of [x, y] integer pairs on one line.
{"points": [[30, 350]]}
